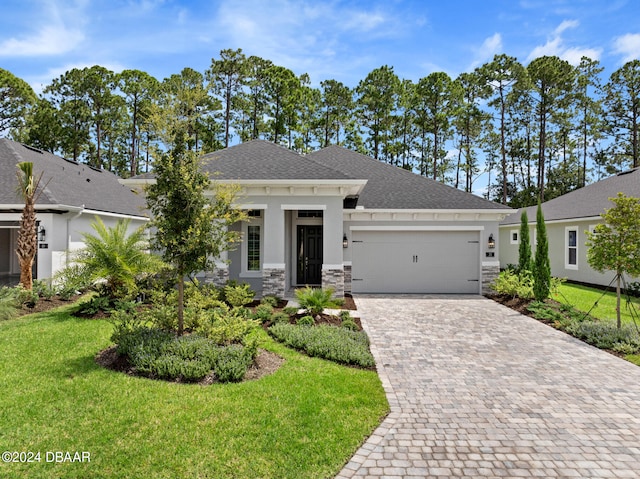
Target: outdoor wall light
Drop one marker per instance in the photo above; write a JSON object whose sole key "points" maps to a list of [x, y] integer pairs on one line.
{"points": [[345, 241], [42, 234], [492, 242]]}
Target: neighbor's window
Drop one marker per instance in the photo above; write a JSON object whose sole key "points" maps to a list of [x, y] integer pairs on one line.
{"points": [[514, 237], [572, 248], [253, 248]]}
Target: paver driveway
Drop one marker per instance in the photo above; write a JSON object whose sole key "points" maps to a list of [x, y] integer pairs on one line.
{"points": [[478, 390]]}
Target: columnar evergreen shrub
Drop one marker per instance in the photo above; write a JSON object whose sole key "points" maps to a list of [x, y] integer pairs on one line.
{"points": [[524, 250], [541, 267]]}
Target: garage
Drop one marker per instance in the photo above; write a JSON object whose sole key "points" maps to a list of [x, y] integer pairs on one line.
{"points": [[409, 261]]}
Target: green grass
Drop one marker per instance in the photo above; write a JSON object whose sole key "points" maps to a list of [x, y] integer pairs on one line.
{"points": [[303, 421], [583, 298]]}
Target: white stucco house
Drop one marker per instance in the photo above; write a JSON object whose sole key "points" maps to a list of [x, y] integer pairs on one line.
{"points": [[74, 195], [341, 219], [567, 219]]}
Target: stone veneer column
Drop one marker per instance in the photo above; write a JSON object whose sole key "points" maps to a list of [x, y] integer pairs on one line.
{"points": [[347, 278], [273, 280], [333, 277], [490, 271], [219, 276]]}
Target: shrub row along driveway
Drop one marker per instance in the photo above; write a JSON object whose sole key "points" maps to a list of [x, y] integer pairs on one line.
{"points": [[478, 390]]}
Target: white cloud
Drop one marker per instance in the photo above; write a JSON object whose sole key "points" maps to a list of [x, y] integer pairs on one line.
{"points": [[628, 46], [556, 46], [49, 35], [490, 47], [51, 40]]}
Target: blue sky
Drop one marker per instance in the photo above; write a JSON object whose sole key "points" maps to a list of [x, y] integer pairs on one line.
{"points": [[343, 40]]}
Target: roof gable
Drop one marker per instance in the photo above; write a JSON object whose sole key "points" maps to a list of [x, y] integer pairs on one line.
{"points": [[263, 160], [67, 182]]}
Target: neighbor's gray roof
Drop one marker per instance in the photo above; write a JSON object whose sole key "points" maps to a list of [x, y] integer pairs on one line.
{"points": [[67, 183], [586, 202], [390, 187], [263, 160]]}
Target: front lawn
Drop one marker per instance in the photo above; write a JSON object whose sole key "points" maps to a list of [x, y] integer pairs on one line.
{"points": [[583, 298], [305, 420]]}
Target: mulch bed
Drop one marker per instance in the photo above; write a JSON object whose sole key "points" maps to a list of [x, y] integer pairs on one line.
{"points": [[45, 305]]}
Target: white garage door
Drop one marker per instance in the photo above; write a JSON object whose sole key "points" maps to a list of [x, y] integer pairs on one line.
{"points": [[416, 262]]}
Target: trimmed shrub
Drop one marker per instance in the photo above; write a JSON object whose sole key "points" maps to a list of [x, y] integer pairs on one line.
{"points": [[280, 318], [231, 363], [238, 295], [270, 300], [306, 321], [605, 335], [514, 284], [328, 342], [263, 312], [290, 310], [349, 324], [225, 327]]}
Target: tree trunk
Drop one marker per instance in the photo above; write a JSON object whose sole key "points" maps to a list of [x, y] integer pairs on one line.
{"points": [[180, 304], [27, 244], [619, 323]]}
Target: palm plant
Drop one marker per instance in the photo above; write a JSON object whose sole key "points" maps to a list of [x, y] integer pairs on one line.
{"points": [[316, 300], [27, 242], [116, 257]]}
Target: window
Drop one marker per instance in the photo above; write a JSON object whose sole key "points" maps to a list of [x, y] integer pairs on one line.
{"points": [[253, 248], [514, 237], [571, 259]]}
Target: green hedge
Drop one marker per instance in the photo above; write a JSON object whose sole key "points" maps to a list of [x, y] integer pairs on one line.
{"points": [[329, 342]]}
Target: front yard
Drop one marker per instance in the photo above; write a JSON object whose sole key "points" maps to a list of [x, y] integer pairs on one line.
{"points": [[305, 420]]}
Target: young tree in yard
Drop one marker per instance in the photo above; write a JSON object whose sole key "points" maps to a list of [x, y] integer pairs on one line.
{"points": [[190, 229], [524, 250], [541, 267], [615, 244], [27, 241]]}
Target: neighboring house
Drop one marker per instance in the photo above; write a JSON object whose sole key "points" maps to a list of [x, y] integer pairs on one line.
{"points": [[74, 195], [341, 219], [567, 219]]}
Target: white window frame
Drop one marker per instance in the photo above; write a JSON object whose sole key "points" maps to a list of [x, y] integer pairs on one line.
{"points": [[244, 247], [567, 246], [517, 235]]}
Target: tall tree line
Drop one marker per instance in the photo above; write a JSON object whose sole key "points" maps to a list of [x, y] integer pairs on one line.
{"points": [[539, 130]]}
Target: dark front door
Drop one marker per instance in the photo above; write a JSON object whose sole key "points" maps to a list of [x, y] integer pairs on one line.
{"points": [[309, 254]]}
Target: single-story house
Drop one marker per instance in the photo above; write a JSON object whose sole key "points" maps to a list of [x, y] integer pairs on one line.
{"points": [[336, 218], [74, 195], [567, 219]]}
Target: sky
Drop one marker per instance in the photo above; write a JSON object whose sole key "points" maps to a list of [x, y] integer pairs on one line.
{"points": [[329, 39]]}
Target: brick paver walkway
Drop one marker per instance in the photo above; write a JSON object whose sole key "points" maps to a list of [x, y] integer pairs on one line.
{"points": [[477, 390]]}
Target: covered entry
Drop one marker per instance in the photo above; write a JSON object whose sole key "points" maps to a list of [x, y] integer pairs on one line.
{"points": [[416, 261]]}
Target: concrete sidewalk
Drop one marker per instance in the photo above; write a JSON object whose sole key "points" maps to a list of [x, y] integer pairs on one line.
{"points": [[478, 390]]}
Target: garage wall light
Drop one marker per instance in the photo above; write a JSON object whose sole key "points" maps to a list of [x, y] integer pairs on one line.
{"points": [[42, 234], [492, 242], [345, 241]]}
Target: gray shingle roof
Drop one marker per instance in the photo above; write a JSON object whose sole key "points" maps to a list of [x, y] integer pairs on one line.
{"points": [[263, 160], [67, 183], [390, 187], [587, 202]]}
